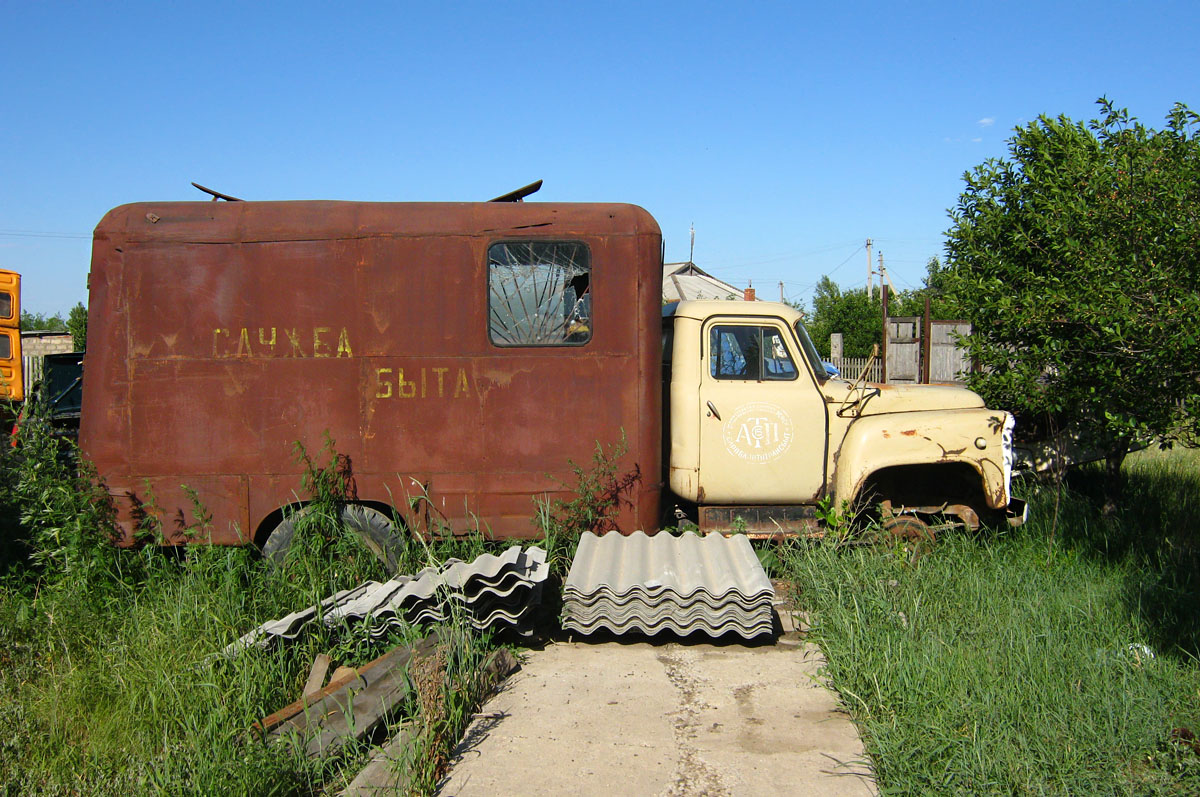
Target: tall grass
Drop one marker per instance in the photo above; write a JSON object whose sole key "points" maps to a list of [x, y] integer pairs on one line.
{"points": [[107, 682], [1057, 658]]}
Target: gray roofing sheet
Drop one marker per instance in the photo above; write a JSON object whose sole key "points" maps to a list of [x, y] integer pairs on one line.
{"points": [[667, 624], [493, 589], [487, 577], [648, 567], [662, 608]]}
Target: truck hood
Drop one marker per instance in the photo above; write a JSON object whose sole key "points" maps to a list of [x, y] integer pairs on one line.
{"points": [[883, 399]]}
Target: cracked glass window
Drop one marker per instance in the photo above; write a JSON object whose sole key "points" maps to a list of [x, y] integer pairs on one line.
{"points": [[757, 353], [539, 293]]}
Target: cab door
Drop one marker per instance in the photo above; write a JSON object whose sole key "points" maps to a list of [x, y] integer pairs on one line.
{"points": [[762, 418]]}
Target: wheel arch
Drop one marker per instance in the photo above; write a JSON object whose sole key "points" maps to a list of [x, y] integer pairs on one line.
{"points": [[276, 516]]}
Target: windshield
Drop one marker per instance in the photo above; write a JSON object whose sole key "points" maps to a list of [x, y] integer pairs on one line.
{"points": [[810, 353]]}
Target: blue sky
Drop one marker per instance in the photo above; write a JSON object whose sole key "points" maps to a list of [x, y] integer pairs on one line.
{"points": [[786, 133]]}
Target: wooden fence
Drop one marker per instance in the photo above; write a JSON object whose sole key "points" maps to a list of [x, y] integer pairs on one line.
{"points": [[851, 367], [910, 359], [32, 365]]}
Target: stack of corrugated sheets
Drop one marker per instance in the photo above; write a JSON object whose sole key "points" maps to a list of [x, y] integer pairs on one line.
{"points": [[684, 584], [489, 592]]}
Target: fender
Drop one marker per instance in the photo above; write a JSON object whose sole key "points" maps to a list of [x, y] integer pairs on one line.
{"points": [[875, 442]]}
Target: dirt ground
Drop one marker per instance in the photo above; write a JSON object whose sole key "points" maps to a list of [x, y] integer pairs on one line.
{"points": [[662, 718]]}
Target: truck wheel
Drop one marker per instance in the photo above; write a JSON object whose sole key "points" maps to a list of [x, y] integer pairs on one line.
{"points": [[373, 528], [907, 528]]}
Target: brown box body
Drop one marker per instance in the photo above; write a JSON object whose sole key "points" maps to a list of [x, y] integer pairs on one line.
{"points": [[220, 334]]}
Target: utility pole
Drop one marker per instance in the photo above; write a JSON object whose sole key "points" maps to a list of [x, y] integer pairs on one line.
{"points": [[870, 270], [883, 293], [883, 275], [781, 299], [692, 248]]}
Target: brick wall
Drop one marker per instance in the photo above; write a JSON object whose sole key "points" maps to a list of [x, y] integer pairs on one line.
{"points": [[39, 344]]}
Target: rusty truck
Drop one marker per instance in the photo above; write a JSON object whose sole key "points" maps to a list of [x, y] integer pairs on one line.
{"points": [[462, 356]]}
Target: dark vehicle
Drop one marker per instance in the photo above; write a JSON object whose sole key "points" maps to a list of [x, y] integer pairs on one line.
{"points": [[61, 391]]}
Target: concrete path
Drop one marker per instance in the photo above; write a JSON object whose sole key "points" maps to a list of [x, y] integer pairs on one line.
{"points": [[672, 718]]}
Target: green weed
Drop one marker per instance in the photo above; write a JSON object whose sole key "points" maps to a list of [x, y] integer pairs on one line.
{"points": [[107, 681], [598, 491], [1018, 662]]}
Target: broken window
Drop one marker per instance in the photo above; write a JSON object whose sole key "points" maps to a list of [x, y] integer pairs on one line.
{"points": [[742, 352], [539, 293]]}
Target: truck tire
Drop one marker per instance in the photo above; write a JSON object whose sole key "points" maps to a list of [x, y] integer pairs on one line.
{"points": [[373, 528]]}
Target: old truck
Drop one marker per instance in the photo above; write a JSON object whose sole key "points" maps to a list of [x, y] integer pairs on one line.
{"points": [[461, 356]]}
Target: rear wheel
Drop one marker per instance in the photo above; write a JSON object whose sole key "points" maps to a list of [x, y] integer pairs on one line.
{"points": [[372, 528]]}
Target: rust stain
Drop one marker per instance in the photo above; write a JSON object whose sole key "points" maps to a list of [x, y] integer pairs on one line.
{"points": [[286, 315], [909, 432], [887, 434]]}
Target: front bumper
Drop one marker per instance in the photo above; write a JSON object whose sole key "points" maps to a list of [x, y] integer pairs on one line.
{"points": [[1017, 512]]}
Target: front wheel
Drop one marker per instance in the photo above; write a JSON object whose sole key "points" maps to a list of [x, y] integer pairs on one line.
{"points": [[372, 528]]}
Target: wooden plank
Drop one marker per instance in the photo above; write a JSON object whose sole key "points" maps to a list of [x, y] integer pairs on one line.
{"points": [[355, 714], [341, 672], [288, 712], [389, 768], [356, 702], [316, 676]]}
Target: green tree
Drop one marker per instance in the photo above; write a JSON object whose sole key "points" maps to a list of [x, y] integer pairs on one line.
{"points": [[77, 326], [859, 318], [1075, 259], [42, 322], [851, 313]]}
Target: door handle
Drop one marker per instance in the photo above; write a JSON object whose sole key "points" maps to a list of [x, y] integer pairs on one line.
{"points": [[713, 411]]}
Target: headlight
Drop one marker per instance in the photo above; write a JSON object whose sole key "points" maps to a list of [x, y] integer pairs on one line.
{"points": [[1006, 439]]}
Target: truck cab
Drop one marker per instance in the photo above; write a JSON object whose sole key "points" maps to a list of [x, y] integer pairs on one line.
{"points": [[760, 434]]}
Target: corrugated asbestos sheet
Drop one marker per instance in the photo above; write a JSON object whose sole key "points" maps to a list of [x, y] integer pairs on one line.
{"points": [[713, 584], [489, 592]]}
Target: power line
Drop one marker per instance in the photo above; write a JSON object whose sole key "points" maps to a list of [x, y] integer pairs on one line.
{"points": [[37, 234]]}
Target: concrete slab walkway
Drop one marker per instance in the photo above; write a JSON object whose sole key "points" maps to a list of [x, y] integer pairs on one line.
{"points": [[672, 718]]}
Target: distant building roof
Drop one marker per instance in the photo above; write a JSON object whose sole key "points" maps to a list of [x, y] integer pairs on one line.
{"points": [[688, 282]]}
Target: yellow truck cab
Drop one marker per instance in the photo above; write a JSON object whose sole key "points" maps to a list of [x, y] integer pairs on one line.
{"points": [[760, 434]]}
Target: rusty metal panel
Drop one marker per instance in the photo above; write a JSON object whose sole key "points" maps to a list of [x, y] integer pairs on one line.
{"points": [[223, 333], [759, 521]]}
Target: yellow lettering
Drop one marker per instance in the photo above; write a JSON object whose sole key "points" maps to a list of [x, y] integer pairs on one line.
{"points": [[268, 343], [441, 375], [216, 334], [422, 383], [384, 376], [244, 344], [319, 344], [404, 389], [294, 340], [461, 386], [344, 345]]}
